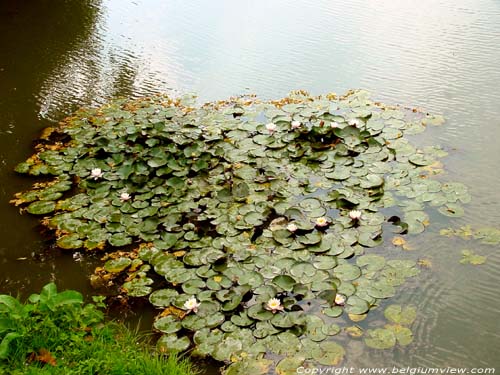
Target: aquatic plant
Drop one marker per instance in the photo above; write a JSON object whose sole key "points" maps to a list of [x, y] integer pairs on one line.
{"points": [[259, 217], [57, 333]]}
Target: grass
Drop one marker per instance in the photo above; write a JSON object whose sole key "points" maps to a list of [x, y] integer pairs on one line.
{"points": [[56, 334]]}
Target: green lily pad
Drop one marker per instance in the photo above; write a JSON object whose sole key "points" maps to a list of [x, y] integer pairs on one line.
{"points": [[400, 315], [347, 272], [452, 210], [331, 354], [403, 335], [168, 324], [173, 344], [163, 297], [41, 207], [380, 338], [468, 257], [285, 282], [288, 366], [117, 265]]}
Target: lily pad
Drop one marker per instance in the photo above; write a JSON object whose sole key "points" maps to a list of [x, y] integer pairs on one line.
{"points": [[400, 315], [380, 338], [469, 257]]}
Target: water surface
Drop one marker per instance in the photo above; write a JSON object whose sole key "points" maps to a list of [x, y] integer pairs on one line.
{"points": [[440, 55]]}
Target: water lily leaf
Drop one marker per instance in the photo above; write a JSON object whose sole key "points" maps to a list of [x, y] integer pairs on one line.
{"points": [[241, 190], [421, 159], [242, 320], [282, 321], [285, 282], [380, 338], [354, 331], [331, 354], [371, 181], [251, 278], [257, 312], [168, 324], [435, 120], [264, 329], [302, 270], [333, 312], [120, 239], [381, 289], [138, 287], [330, 329], [371, 262], [173, 344], [347, 272], [468, 257], [41, 207], [400, 315], [314, 328], [69, 241], [249, 366], [310, 238], [254, 218], [163, 297], [403, 335], [452, 210], [324, 262], [288, 366], [356, 305], [117, 265]]}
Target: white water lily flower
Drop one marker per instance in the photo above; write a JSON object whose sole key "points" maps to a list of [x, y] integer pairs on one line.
{"points": [[125, 197], [334, 124], [354, 122], [340, 299], [96, 173], [292, 227], [271, 127], [355, 214], [295, 124], [321, 221], [191, 305], [274, 305]]}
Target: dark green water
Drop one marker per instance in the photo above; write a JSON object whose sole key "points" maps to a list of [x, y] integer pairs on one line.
{"points": [[441, 55]]}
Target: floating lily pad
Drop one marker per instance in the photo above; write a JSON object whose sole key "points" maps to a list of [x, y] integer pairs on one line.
{"points": [[173, 344], [41, 207], [331, 354], [380, 338], [400, 315], [469, 257], [117, 265], [163, 297]]}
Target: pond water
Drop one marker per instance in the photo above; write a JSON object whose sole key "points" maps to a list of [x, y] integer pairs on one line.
{"points": [[440, 55]]}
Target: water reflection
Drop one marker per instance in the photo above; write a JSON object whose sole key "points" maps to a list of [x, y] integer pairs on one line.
{"points": [[440, 55], [36, 37]]}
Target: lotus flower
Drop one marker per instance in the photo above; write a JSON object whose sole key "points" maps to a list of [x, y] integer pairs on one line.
{"points": [[321, 221], [274, 305], [295, 124], [191, 305], [354, 122], [355, 214], [292, 227], [96, 173], [125, 197], [271, 127], [340, 299]]}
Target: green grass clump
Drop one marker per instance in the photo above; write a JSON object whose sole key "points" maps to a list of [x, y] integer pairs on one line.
{"points": [[56, 333]]}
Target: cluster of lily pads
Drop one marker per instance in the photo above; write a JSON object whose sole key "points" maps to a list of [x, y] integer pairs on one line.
{"points": [[486, 236], [252, 225]]}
